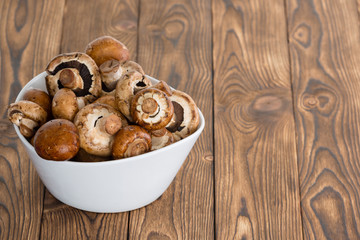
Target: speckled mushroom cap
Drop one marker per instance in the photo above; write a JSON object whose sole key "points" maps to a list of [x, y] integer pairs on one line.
{"points": [[97, 123], [27, 115], [186, 115], [151, 109], [126, 88], [112, 71], [81, 67]]}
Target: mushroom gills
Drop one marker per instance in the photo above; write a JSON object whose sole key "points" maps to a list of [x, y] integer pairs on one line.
{"points": [[84, 73], [178, 118]]}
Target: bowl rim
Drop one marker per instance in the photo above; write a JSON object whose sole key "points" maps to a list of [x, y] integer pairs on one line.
{"points": [[111, 161]]}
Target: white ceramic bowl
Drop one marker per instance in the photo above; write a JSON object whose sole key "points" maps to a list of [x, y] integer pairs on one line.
{"points": [[111, 186]]}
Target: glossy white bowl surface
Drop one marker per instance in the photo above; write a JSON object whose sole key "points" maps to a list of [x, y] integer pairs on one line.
{"points": [[111, 186]]}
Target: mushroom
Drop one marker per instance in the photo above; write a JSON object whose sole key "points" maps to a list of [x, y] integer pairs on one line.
{"points": [[76, 71], [27, 115], [186, 115], [97, 124], [106, 48], [126, 88], [65, 104], [131, 141], [161, 138], [108, 100], [57, 140], [163, 86], [41, 98], [111, 71], [151, 109]]}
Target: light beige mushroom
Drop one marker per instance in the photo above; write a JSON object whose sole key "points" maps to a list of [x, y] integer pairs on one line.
{"points": [[97, 124], [111, 72], [131, 141], [151, 109], [76, 71], [161, 138], [126, 88], [186, 115], [106, 48], [27, 115]]}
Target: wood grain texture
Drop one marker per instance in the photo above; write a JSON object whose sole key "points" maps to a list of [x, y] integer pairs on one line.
{"points": [[29, 33], [86, 20], [325, 56], [256, 187], [83, 21], [174, 45]]}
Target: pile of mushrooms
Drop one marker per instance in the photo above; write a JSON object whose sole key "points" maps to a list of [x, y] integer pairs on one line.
{"points": [[99, 106]]}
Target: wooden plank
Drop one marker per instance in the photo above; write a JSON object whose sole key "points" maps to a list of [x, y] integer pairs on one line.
{"points": [[175, 46], [325, 56], [256, 187], [29, 34], [84, 21]]}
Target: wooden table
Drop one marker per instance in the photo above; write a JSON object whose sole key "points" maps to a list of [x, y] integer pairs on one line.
{"points": [[279, 85]]}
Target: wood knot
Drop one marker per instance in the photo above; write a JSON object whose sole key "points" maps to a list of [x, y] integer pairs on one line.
{"points": [[208, 158], [267, 103], [318, 97], [157, 236], [302, 35]]}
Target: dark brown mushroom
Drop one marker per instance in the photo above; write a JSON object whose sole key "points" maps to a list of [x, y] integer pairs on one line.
{"points": [[151, 109], [76, 71], [131, 141], [57, 140]]}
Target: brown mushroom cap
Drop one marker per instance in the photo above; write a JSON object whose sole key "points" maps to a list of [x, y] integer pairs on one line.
{"points": [[28, 116], [151, 109], [70, 68], [126, 88], [106, 48], [97, 123], [186, 115], [57, 140], [40, 97], [131, 141], [161, 138], [64, 104]]}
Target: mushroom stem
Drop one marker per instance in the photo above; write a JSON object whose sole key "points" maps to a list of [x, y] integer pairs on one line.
{"points": [[110, 73], [27, 127], [110, 124], [70, 78], [149, 106]]}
